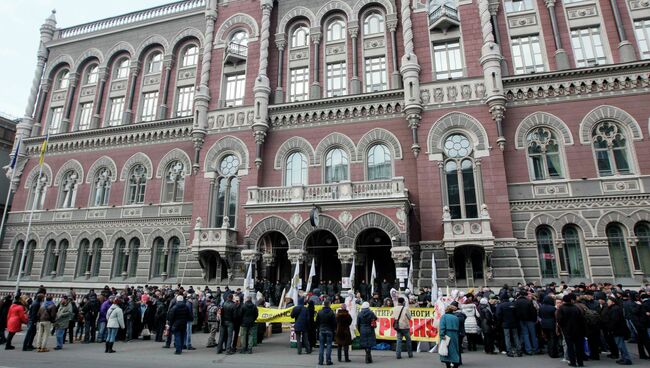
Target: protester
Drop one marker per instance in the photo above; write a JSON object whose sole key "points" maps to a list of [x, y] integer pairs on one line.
{"points": [[472, 328], [300, 314], [28, 342], [248, 328], [16, 316], [343, 337], [114, 321], [366, 323], [449, 327], [178, 317], [614, 321], [326, 323], [572, 323], [401, 317], [63, 316]]}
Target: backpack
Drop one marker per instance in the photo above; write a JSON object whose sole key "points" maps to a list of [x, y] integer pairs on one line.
{"points": [[212, 313], [592, 317]]}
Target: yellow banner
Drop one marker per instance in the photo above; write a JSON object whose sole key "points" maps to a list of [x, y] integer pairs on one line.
{"points": [[422, 326]]}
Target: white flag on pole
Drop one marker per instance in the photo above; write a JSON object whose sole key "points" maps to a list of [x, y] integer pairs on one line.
{"points": [[293, 292], [409, 284], [373, 276], [248, 282], [312, 273], [352, 274], [434, 279]]}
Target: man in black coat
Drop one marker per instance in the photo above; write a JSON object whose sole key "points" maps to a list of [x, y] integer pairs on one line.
{"points": [[227, 326], [614, 322], [573, 326], [527, 316], [326, 323], [249, 314], [178, 317], [31, 325], [507, 317], [363, 289], [385, 289]]}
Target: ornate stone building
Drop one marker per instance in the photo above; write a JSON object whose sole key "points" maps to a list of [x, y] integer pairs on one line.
{"points": [[507, 137]]}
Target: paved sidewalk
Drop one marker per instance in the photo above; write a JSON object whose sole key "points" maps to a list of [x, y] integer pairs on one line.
{"points": [[274, 352]]}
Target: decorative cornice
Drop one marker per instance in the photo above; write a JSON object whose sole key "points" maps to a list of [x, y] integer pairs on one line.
{"points": [[581, 203]]}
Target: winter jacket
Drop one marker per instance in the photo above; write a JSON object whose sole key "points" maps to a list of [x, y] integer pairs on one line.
{"points": [[366, 332], [301, 316], [63, 315], [33, 311], [102, 311], [614, 321], [404, 318], [547, 313], [571, 321], [114, 317], [16, 316], [47, 312], [488, 320], [471, 322], [249, 314], [507, 315], [525, 310], [343, 336], [178, 316], [326, 320], [228, 311]]}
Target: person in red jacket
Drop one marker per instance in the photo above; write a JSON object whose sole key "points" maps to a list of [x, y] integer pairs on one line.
{"points": [[15, 319]]}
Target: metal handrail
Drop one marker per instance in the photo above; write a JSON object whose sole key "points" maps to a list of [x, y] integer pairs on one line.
{"points": [[237, 49]]}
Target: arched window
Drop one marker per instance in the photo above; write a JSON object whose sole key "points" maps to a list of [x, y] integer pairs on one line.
{"points": [[83, 258], [617, 250], [227, 193], [610, 148], [642, 232], [573, 252], [546, 252], [336, 165], [154, 63], [101, 187], [122, 68], [544, 154], [126, 258], [296, 169], [335, 30], [165, 257], [137, 184], [92, 74], [190, 56], [174, 182], [69, 185], [379, 163], [36, 199], [29, 258], [459, 177], [374, 23], [300, 37], [240, 38], [62, 80], [51, 259]]}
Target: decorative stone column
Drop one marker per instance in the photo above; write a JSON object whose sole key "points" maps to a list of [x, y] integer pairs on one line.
{"points": [[99, 95], [280, 43], [491, 62], [40, 106], [168, 64], [561, 57], [202, 95], [625, 48], [411, 76], [396, 77], [346, 256], [67, 110], [262, 88], [401, 256], [315, 91], [355, 82], [494, 10], [127, 118], [268, 261]]}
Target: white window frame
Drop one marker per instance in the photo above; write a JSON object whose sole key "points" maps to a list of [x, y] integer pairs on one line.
{"points": [[642, 33], [583, 40], [336, 76], [149, 106], [154, 62], [190, 60], [116, 109], [299, 84], [442, 60], [184, 101], [515, 6], [56, 118], [122, 68], [376, 74], [85, 115], [527, 54], [235, 89]]}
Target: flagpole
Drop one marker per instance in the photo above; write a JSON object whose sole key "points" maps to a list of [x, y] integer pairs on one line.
{"points": [[11, 181], [29, 228]]}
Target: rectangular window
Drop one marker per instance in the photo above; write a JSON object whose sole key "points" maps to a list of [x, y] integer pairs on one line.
{"points": [[235, 86], [298, 84], [642, 32], [86, 114], [337, 83], [149, 106], [55, 120], [527, 55], [512, 6], [185, 101], [115, 112], [448, 62], [588, 47], [376, 74]]}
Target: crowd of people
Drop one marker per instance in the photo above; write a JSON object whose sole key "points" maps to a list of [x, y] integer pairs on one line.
{"points": [[574, 324]]}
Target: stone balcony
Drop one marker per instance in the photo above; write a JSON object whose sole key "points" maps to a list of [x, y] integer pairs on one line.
{"points": [[469, 231], [335, 192], [222, 240]]}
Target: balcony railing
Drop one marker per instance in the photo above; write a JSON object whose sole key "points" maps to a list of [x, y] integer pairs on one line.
{"points": [[342, 191], [134, 17], [238, 49], [443, 16]]}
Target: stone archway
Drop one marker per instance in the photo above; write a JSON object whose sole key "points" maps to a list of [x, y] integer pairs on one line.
{"points": [[322, 246], [373, 246], [469, 265], [214, 267]]}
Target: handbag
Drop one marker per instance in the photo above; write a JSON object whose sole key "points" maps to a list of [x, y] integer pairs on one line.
{"points": [[146, 333], [373, 323], [396, 321], [443, 346]]}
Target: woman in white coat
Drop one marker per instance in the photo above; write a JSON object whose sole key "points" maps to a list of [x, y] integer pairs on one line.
{"points": [[472, 327], [114, 321]]}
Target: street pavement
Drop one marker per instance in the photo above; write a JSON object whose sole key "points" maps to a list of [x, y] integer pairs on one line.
{"points": [[273, 352]]}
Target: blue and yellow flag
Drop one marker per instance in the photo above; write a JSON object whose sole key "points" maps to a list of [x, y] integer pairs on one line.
{"points": [[15, 159], [43, 149]]}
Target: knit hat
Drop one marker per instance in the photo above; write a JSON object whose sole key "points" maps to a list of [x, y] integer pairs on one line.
{"points": [[365, 305], [179, 298], [484, 301]]}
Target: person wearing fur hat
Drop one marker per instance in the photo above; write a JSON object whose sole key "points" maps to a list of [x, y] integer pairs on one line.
{"points": [[366, 322]]}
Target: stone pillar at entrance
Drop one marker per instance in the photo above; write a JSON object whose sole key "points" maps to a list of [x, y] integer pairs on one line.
{"points": [[248, 256], [267, 260], [346, 256], [402, 257]]}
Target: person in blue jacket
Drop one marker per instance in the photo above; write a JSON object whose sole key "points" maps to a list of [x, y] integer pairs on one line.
{"points": [[300, 314], [450, 326]]}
